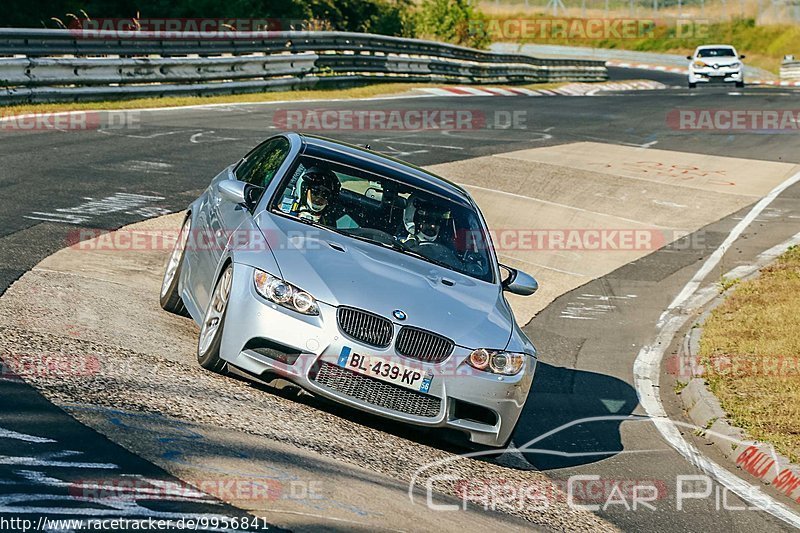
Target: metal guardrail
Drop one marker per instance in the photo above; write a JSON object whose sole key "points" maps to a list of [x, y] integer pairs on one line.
{"points": [[51, 65], [790, 70]]}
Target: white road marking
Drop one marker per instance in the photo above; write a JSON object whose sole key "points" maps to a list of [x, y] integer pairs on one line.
{"points": [[735, 233], [111, 505], [196, 138], [500, 91], [539, 135], [635, 145], [174, 491], [647, 370], [33, 461], [400, 153], [436, 91], [445, 146], [40, 478], [668, 204], [542, 266], [570, 207], [146, 166], [8, 434], [581, 310], [134, 136], [95, 207], [474, 90]]}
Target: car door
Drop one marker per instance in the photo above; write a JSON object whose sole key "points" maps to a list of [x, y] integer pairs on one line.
{"points": [[228, 220]]}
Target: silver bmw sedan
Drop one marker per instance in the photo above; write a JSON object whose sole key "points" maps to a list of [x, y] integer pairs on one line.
{"points": [[359, 278]]}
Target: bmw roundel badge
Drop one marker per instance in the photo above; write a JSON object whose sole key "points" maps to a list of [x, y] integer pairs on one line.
{"points": [[399, 315]]}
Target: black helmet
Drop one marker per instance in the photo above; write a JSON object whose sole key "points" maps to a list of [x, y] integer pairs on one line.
{"points": [[323, 185]]}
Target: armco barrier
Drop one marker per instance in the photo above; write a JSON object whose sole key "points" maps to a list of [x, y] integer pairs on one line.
{"points": [[63, 65]]}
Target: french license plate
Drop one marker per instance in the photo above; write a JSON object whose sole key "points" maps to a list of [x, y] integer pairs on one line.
{"points": [[384, 369]]}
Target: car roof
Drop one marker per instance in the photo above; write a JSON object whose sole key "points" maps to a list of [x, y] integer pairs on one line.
{"points": [[703, 47], [382, 165]]}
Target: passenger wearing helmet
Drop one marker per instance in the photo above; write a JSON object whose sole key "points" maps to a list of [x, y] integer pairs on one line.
{"points": [[426, 222], [318, 189]]}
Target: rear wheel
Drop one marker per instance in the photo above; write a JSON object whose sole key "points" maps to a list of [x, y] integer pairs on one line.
{"points": [[169, 299], [208, 345]]}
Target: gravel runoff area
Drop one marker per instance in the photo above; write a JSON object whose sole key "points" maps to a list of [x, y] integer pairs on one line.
{"points": [[99, 310]]}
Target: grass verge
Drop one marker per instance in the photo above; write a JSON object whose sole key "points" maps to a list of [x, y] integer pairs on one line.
{"points": [[764, 45], [751, 350], [366, 91]]}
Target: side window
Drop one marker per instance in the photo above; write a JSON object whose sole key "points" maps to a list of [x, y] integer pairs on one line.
{"points": [[261, 165]]}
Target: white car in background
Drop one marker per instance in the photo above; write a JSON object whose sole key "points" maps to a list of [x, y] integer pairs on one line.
{"points": [[715, 63]]}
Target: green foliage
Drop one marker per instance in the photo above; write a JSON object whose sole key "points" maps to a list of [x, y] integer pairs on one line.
{"points": [[453, 21], [389, 17], [727, 283]]}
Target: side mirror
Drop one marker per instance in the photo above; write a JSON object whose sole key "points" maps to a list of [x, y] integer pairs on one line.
{"points": [[518, 282], [741, 56], [240, 192], [689, 58]]}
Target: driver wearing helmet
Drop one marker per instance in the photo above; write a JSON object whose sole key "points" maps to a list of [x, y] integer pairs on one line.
{"points": [[426, 223], [319, 187]]}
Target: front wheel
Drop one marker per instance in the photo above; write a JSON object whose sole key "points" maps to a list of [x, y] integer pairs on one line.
{"points": [[210, 341], [169, 298], [692, 85], [740, 84]]}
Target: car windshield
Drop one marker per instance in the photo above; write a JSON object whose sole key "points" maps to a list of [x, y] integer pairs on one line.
{"points": [[386, 212], [716, 52]]}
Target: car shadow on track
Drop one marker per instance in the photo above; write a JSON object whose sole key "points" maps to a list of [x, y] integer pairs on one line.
{"points": [[447, 440], [560, 397], [572, 417]]}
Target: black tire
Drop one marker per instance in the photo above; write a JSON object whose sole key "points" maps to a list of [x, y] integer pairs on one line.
{"points": [[169, 298], [208, 348], [740, 84], [692, 85]]}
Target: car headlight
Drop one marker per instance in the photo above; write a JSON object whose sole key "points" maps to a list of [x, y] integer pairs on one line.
{"points": [[497, 362], [285, 294], [700, 64], [735, 65]]}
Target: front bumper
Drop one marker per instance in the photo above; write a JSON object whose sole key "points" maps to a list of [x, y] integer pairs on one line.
{"points": [[316, 342], [718, 75]]}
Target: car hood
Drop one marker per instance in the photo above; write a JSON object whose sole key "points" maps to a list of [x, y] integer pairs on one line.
{"points": [[339, 270]]}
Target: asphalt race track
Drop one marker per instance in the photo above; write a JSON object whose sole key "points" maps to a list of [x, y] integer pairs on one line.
{"points": [[126, 175]]}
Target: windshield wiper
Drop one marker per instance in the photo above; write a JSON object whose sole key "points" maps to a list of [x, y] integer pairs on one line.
{"points": [[393, 245], [314, 224], [398, 246]]}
